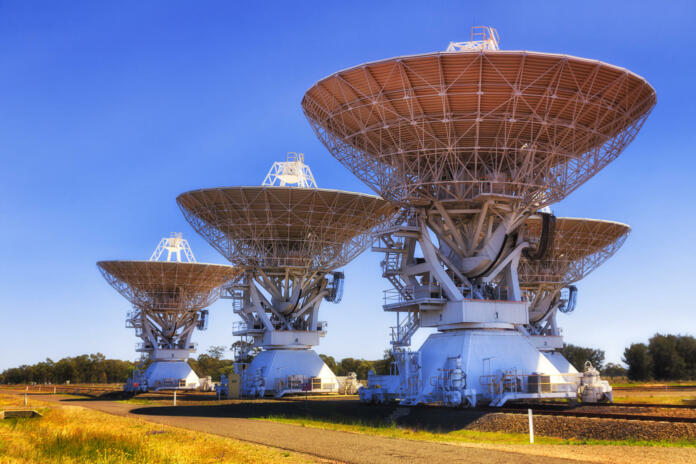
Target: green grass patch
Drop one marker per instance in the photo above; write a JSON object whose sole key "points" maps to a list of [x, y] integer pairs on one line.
{"points": [[137, 401], [392, 430], [653, 384]]}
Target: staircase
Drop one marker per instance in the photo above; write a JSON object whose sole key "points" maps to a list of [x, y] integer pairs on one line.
{"points": [[394, 252], [404, 330]]}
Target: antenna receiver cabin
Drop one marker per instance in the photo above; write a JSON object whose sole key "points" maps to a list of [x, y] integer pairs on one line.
{"points": [[482, 38], [292, 171]]}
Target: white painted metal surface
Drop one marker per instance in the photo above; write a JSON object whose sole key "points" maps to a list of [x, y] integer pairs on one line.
{"points": [[290, 237], [279, 372], [482, 38], [293, 171], [169, 375], [174, 245], [455, 140], [169, 294]]}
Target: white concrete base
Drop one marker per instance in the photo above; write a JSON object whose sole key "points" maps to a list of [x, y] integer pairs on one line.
{"points": [[473, 366], [280, 372], [169, 375], [561, 363]]}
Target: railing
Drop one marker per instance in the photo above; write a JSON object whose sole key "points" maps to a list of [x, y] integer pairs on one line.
{"points": [[401, 334], [142, 346], [513, 382], [239, 326], [301, 382], [237, 297], [413, 293], [242, 326], [133, 320]]}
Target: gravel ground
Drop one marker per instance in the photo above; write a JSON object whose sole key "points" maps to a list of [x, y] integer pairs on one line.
{"points": [[585, 428], [645, 411]]}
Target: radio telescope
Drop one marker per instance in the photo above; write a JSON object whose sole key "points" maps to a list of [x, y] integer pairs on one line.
{"points": [[471, 142], [290, 241], [579, 247], [169, 300]]}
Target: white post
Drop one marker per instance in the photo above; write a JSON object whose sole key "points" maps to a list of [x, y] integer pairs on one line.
{"points": [[174, 397], [531, 426], [54, 390]]}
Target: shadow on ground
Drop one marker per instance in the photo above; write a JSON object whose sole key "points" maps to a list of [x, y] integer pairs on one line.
{"points": [[110, 396], [340, 411]]}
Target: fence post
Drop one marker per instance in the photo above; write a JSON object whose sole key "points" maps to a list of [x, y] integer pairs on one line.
{"points": [[174, 397], [25, 398], [531, 426]]}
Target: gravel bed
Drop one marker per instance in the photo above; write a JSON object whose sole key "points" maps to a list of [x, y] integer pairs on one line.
{"points": [[585, 428], [643, 411]]}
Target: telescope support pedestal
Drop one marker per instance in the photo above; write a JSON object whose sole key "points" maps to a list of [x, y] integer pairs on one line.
{"points": [[278, 372], [468, 366], [168, 375]]}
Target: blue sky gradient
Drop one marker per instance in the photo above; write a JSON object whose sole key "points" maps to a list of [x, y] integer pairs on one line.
{"points": [[109, 110]]}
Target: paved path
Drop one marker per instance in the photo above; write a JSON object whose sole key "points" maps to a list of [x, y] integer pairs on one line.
{"points": [[328, 444]]}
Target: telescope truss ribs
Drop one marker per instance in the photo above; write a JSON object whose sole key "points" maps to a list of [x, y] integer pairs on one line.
{"points": [[312, 230], [525, 126], [580, 246], [167, 296]]}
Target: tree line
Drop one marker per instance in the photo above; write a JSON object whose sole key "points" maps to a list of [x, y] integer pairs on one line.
{"points": [[361, 367], [87, 368], [95, 368], [664, 357]]}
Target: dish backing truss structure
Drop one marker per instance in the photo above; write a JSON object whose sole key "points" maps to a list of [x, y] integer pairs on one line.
{"points": [[471, 143], [290, 241], [579, 247], [169, 300]]}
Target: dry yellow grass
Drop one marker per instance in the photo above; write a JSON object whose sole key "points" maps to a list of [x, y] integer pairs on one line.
{"points": [[72, 435]]}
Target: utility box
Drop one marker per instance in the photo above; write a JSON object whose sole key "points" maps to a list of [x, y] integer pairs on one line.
{"points": [[233, 385], [537, 383]]}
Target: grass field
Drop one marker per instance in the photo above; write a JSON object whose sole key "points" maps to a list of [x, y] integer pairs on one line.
{"points": [[623, 382], [464, 436], [74, 435], [655, 392]]}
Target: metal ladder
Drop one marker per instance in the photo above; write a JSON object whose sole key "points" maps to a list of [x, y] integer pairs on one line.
{"points": [[404, 330], [392, 264]]}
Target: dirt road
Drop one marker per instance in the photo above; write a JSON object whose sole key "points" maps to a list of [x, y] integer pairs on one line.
{"points": [[358, 448], [328, 444]]}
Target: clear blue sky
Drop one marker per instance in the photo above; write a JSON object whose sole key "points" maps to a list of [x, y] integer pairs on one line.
{"points": [[108, 110]]}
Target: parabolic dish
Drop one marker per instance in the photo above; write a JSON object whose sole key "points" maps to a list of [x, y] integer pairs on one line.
{"points": [[280, 227], [464, 126], [579, 247], [167, 285]]}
